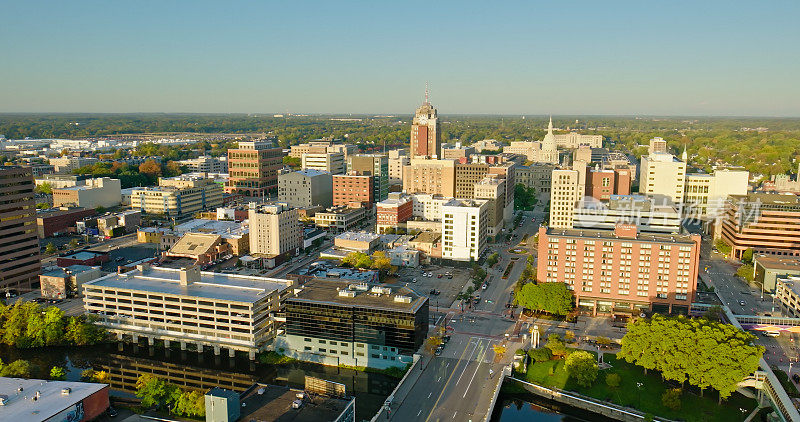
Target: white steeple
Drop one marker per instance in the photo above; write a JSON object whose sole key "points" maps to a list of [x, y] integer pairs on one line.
{"points": [[550, 126], [685, 154]]}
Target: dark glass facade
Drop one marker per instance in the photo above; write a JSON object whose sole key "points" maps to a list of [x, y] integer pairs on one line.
{"points": [[403, 329]]}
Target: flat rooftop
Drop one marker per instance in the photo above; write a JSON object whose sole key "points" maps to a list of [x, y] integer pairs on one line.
{"points": [[20, 406], [358, 236], [792, 282], [231, 287], [778, 262], [274, 404], [589, 234], [82, 255], [327, 291]]}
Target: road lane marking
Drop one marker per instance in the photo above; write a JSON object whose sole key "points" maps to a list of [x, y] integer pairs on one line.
{"points": [[465, 366], [430, 394], [420, 411], [476, 371], [433, 408]]}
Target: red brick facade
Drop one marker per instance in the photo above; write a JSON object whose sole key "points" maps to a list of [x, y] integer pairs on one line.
{"points": [[621, 272], [349, 188]]}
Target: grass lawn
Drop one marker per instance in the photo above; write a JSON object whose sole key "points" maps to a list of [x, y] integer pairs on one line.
{"points": [[648, 397]]}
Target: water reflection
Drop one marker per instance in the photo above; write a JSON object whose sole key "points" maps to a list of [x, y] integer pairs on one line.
{"points": [[526, 408], [125, 363]]}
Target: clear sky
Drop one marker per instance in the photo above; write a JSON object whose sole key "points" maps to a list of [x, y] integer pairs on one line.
{"points": [[699, 57]]}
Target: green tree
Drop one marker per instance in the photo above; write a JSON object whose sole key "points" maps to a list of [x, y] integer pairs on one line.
{"points": [[745, 271], [704, 353], [493, 259], [292, 162], [382, 263], [17, 369], [50, 248], [190, 403], [357, 260], [44, 188], [553, 298], [58, 373], [747, 256], [541, 354], [581, 367], [556, 346], [723, 247], [42, 205], [154, 391]]}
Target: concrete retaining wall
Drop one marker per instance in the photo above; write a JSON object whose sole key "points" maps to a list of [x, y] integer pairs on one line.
{"points": [[586, 403]]}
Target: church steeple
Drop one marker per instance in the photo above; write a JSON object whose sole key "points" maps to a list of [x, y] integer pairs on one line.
{"points": [[550, 126], [685, 154]]}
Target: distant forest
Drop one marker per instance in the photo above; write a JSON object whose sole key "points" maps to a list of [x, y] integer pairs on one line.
{"points": [[762, 145]]}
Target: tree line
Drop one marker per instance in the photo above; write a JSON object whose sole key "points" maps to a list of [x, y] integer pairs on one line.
{"points": [[27, 325], [154, 391], [706, 354]]}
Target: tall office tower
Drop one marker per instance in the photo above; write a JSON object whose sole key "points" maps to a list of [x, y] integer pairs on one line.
{"points": [[426, 139], [375, 165], [549, 152], [464, 229], [19, 244], [663, 174], [566, 189], [275, 230], [253, 168]]}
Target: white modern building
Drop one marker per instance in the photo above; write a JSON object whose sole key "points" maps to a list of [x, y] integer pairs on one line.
{"points": [[331, 162], [188, 306], [206, 164], [705, 194], [661, 173], [464, 229]]}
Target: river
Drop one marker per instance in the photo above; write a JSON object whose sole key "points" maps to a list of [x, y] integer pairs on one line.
{"points": [[529, 408], [201, 371]]}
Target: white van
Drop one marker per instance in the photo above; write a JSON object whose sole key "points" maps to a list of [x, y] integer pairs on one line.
{"points": [[772, 333]]}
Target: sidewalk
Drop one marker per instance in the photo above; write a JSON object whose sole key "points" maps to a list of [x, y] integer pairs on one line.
{"points": [[405, 386]]}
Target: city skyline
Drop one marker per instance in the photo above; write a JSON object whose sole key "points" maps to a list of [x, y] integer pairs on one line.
{"points": [[522, 59]]}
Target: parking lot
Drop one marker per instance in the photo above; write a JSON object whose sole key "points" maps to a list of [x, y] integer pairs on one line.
{"points": [[128, 254], [448, 288]]}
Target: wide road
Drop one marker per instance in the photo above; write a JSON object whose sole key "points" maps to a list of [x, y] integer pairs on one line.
{"points": [[459, 385]]}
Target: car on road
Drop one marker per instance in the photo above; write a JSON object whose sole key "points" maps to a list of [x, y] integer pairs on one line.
{"points": [[445, 339], [438, 276], [484, 286], [438, 352], [111, 412], [435, 292], [741, 302], [413, 280], [796, 378], [772, 334]]}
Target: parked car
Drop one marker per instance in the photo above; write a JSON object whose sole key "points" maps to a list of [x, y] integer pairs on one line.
{"points": [[413, 280], [438, 276], [484, 286], [796, 378], [741, 302]]}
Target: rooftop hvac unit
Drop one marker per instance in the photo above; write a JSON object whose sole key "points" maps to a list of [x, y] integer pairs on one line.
{"points": [[402, 299], [361, 287], [347, 293], [381, 290], [65, 391]]}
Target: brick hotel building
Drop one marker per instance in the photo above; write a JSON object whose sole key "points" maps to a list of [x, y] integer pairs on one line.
{"points": [[620, 271]]}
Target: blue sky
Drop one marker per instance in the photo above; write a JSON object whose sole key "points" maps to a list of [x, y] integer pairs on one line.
{"points": [[560, 57]]}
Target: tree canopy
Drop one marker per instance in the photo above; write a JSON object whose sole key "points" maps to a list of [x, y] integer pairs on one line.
{"points": [[553, 298], [704, 353], [27, 325], [581, 367]]}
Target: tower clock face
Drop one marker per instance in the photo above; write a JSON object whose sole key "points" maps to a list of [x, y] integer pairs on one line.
{"points": [[423, 120]]}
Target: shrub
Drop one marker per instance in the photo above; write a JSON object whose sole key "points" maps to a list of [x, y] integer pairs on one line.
{"points": [[613, 380]]}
